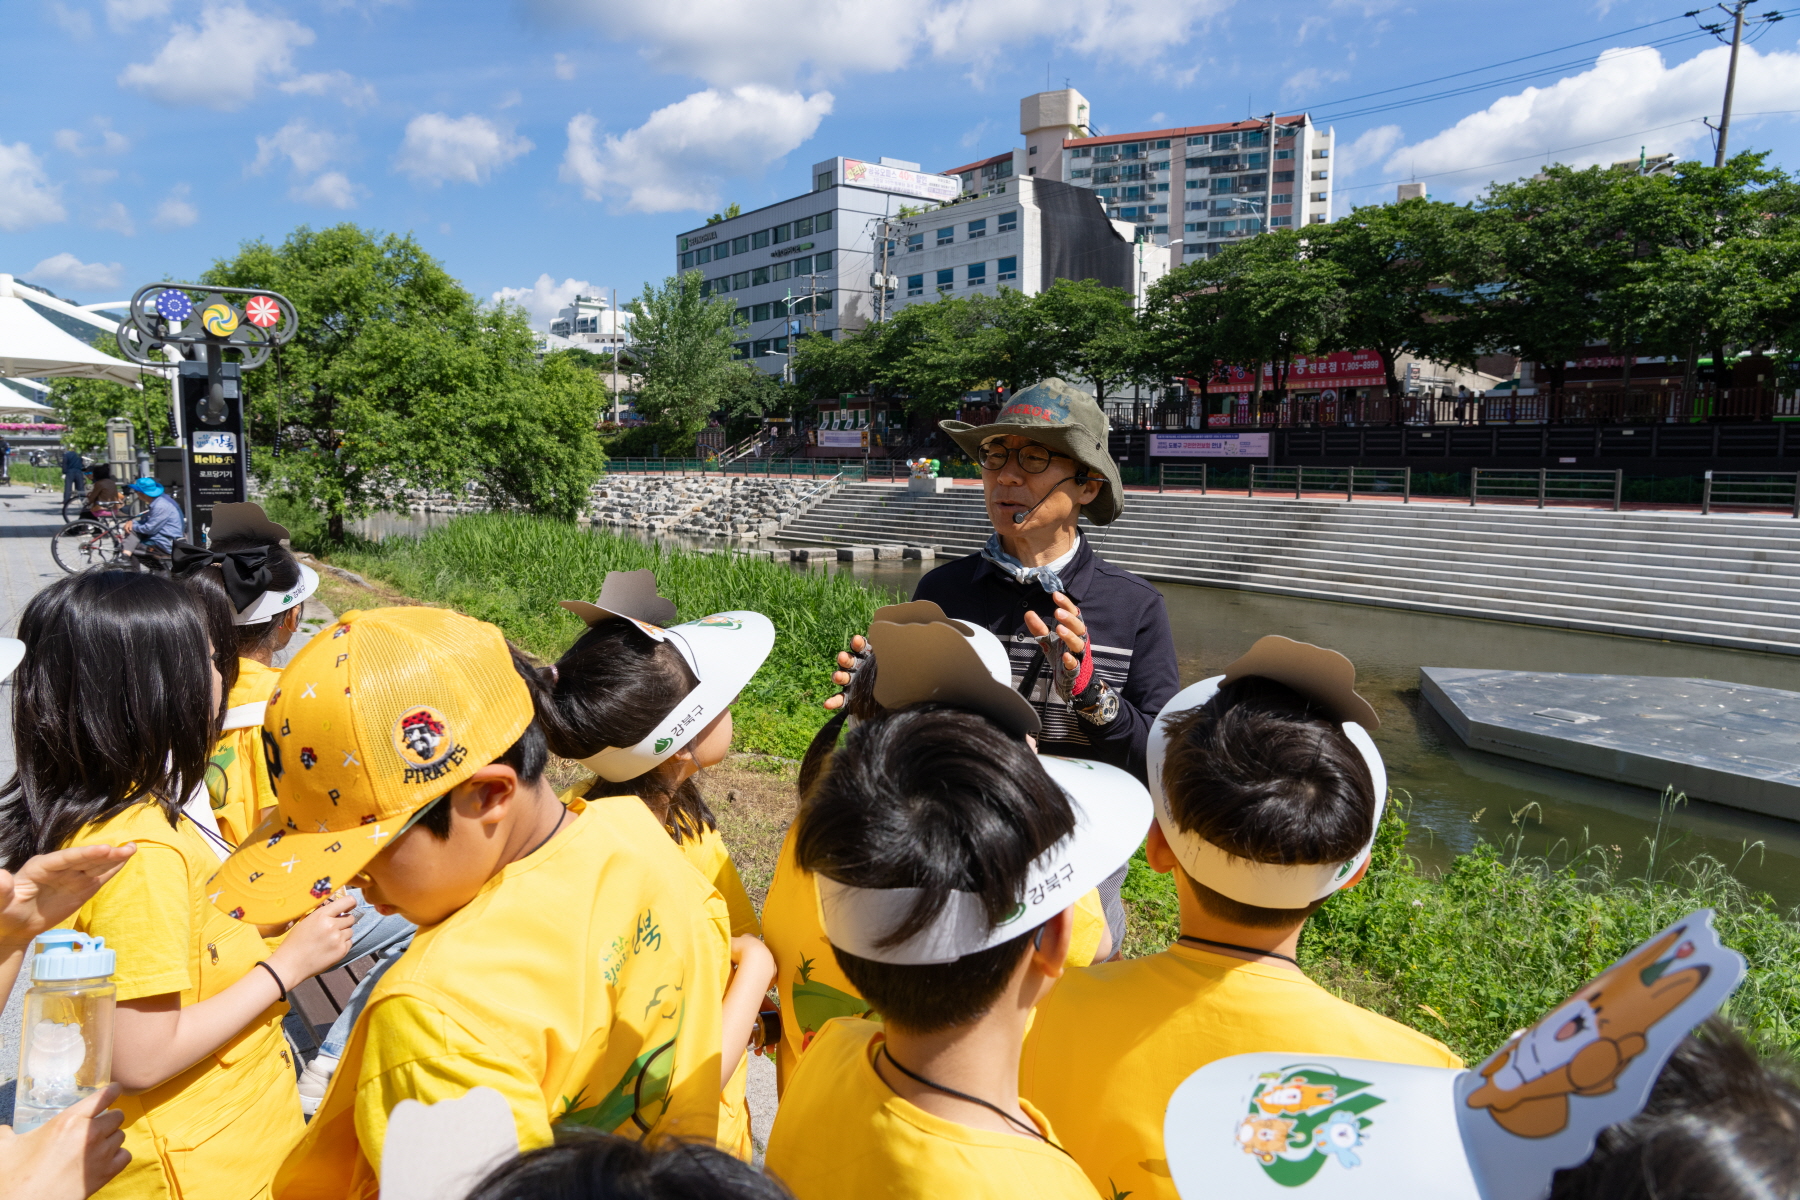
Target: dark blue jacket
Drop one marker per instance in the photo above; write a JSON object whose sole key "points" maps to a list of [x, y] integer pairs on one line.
{"points": [[1127, 622]]}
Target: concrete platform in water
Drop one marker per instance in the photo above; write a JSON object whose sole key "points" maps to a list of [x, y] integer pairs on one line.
{"points": [[1725, 742]]}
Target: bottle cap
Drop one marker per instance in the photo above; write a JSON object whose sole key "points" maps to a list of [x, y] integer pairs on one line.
{"points": [[64, 954]]}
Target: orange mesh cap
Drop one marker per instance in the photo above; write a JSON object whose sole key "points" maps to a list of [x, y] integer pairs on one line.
{"points": [[376, 717]]}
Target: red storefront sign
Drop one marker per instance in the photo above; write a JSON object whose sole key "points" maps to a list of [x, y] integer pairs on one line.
{"points": [[1307, 373]]}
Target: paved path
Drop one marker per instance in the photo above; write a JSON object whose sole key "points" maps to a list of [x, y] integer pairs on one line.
{"points": [[27, 519]]}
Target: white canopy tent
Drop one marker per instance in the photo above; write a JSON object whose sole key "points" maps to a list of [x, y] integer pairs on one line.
{"points": [[31, 346], [14, 405]]}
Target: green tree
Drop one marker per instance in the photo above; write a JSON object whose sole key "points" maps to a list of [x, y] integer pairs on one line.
{"points": [[1089, 331], [1405, 270], [1280, 300], [1186, 327], [85, 405], [684, 343], [532, 438]]}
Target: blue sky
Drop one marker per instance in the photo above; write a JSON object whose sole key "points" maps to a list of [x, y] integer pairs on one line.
{"points": [[538, 147]]}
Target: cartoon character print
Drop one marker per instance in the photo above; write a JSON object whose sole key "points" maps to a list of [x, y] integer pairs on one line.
{"points": [[1583, 1047], [320, 889], [307, 758], [236, 914], [275, 837], [1301, 1117], [423, 736]]}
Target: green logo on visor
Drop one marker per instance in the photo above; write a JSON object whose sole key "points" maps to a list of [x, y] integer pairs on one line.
{"points": [[663, 744]]}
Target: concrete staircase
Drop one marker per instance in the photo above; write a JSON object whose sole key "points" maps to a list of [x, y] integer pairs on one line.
{"points": [[1722, 580]]}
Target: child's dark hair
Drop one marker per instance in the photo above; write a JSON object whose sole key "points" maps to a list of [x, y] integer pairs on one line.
{"points": [[1264, 773], [585, 1164], [859, 702], [939, 799], [1721, 1124], [611, 688], [528, 755], [112, 705]]}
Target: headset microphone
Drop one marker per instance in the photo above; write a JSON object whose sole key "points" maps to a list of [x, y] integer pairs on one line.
{"points": [[1080, 477]]}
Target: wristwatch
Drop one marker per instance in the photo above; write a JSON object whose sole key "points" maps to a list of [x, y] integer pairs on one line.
{"points": [[1092, 698]]}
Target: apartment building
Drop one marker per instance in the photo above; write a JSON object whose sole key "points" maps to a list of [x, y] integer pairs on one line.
{"points": [[802, 266], [588, 323], [1194, 189]]}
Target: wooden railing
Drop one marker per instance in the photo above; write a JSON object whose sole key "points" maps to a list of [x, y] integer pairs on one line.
{"points": [[1579, 407]]}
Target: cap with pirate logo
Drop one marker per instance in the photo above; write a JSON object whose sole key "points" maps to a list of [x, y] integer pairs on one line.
{"points": [[1322, 676], [376, 717]]}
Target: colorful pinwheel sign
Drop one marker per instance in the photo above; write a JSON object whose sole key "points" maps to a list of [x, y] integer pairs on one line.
{"points": [[173, 305], [262, 312]]}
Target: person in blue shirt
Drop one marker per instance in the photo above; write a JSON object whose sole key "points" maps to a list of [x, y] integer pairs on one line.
{"points": [[73, 471], [157, 529]]}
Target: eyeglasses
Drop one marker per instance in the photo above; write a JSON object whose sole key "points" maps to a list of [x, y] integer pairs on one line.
{"points": [[1033, 458]]}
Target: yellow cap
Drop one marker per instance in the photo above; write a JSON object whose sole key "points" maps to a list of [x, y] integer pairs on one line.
{"points": [[376, 717]]}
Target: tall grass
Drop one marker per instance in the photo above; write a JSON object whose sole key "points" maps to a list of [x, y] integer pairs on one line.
{"points": [[512, 570], [1498, 938]]}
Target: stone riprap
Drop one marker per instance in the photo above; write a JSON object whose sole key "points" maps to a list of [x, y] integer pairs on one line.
{"points": [[706, 506]]}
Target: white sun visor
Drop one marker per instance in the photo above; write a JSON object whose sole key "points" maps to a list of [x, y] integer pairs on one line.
{"points": [[1280, 1124], [1265, 885], [12, 653], [723, 651], [1112, 811], [270, 605]]}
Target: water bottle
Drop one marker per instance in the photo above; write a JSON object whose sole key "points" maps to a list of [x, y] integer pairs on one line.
{"points": [[66, 1031]]}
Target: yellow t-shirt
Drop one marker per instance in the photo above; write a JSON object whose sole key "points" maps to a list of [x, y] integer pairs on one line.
{"points": [[221, 1127], [708, 854], [842, 1132], [813, 990], [1111, 1043], [237, 780], [582, 983]]}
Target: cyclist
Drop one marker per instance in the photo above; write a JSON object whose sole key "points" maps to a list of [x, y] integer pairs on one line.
{"points": [[157, 529], [104, 493]]}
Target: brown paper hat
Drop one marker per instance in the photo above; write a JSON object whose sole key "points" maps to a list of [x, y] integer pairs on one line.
{"points": [[245, 520], [1315, 672], [927, 660], [628, 594]]}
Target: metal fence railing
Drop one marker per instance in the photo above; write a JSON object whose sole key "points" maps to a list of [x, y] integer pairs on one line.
{"points": [[853, 470], [1348, 480], [1594, 487], [1581, 406], [1751, 489]]}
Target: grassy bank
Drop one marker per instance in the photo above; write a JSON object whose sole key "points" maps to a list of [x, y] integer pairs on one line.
{"points": [[1495, 941], [512, 570]]}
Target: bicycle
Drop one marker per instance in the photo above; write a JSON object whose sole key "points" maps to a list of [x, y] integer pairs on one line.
{"points": [[126, 506], [82, 544]]}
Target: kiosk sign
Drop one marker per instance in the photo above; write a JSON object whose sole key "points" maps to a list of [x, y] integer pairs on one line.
{"points": [[1209, 445]]}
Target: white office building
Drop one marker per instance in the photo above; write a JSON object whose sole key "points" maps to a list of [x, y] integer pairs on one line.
{"points": [[588, 323]]}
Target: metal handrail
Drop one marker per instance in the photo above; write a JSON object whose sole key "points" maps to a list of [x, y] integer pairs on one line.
{"points": [[1334, 479], [1543, 485], [1751, 489]]}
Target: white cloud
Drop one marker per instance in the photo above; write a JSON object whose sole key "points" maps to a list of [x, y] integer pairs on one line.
{"points": [[222, 63], [728, 42], [564, 67], [106, 141], [333, 189], [76, 22], [96, 175], [27, 197], [175, 212], [1617, 106], [545, 298], [677, 158], [1303, 85], [344, 86], [975, 136], [120, 14], [306, 148], [440, 148], [1369, 148], [117, 218], [71, 272]]}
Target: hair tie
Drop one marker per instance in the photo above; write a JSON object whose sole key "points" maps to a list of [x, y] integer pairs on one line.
{"points": [[555, 675]]}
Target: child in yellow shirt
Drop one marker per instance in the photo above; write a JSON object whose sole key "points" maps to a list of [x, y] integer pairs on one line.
{"points": [[948, 858], [1268, 791], [115, 715], [562, 953]]}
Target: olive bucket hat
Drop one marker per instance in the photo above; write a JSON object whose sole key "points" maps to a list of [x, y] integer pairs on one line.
{"points": [[1067, 420]]}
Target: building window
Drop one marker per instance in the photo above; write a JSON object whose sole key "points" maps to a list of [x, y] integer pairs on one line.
{"points": [[1155, 229], [1161, 144], [946, 235], [978, 228], [722, 250], [759, 239], [946, 279], [822, 261], [1200, 140], [740, 245], [743, 316], [915, 242], [1163, 165], [1196, 205], [1159, 208], [802, 227], [1282, 198], [1194, 183], [1082, 152], [1320, 197], [821, 181], [977, 274], [803, 265], [784, 233], [915, 285], [759, 276], [1284, 154], [740, 281], [1284, 177], [760, 313], [703, 255], [687, 260], [1279, 222], [1008, 268], [741, 350], [1321, 174], [1082, 173], [1161, 187], [822, 222], [783, 270], [1325, 153], [1318, 218], [759, 348], [777, 310], [822, 302], [1194, 227]]}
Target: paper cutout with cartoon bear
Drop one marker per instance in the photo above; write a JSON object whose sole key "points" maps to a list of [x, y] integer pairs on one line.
{"points": [[1272, 1122]]}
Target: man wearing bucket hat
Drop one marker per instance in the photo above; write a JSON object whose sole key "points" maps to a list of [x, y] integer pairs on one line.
{"points": [[1268, 793], [157, 529], [1089, 642], [563, 955], [948, 857]]}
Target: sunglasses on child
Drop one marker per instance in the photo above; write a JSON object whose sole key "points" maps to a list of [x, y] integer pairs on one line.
{"points": [[1033, 458]]}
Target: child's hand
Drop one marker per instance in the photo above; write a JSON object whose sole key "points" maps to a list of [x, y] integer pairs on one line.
{"points": [[317, 942], [49, 888], [847, 664], [69, 1157]]}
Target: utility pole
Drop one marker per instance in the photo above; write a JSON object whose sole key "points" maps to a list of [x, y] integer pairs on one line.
{"points": [[1269, 178], [618, 343], [1737, 39]]}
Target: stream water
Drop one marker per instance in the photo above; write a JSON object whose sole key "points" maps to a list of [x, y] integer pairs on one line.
{"points": [[1460, 796]]}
